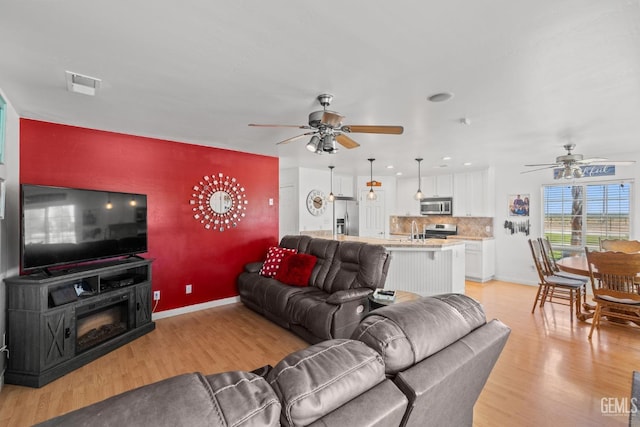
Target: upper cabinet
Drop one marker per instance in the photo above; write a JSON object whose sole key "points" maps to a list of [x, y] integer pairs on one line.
{"points": [[474, 193], [437, 185], [343, 186], [406, 204]]}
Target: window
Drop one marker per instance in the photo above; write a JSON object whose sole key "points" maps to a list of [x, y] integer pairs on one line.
{"points": [[60, 220], [576, 216]]}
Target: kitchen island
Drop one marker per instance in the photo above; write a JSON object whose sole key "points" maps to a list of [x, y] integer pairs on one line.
{"points": [[425, 267]]}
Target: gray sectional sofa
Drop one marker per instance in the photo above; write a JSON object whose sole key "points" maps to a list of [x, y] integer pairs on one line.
{"points": [[335, 300], [419, 363]]}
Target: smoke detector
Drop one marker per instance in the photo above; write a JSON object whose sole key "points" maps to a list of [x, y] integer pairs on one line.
{"points": [[80, 83]]}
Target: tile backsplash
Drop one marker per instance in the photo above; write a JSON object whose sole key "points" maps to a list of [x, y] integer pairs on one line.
{"points": [[467, 226]]}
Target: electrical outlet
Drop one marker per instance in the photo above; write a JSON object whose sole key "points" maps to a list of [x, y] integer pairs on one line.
{"points": [[487, 229], [188, 289], [156, 295]]}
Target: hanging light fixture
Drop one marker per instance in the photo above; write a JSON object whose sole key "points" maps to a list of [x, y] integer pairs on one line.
{"points": [[331, 197], [109, 205], [372, 195], [419, 195]]}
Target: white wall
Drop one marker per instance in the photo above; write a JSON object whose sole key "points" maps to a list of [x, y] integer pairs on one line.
{"points": [[513, 256], [10, 226], [314, 179]]}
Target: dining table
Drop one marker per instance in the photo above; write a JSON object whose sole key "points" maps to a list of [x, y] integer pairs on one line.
{"points": [[578, 264]]}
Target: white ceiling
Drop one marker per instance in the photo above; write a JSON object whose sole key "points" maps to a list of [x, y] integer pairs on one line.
{"points": [[529, 75]]}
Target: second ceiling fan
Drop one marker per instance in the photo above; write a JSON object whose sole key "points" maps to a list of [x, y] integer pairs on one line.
{"points": [[571, 163], [327, 129]]}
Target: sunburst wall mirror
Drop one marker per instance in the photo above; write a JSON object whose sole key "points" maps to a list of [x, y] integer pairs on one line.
{"points": [[218, 202]]}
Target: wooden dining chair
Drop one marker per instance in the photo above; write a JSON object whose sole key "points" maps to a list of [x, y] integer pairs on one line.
{"points": [[626, 246], [614, 280], [551, 264], [551, 287]]}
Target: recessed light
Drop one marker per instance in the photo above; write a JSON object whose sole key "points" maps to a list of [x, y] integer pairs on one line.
{"points": [[440, 166], [390, 167], [440, 97], [445, 158], [466, 164], [398, 173]]}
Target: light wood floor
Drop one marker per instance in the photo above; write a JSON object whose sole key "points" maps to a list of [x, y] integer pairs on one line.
{"points": [[548, 374]]}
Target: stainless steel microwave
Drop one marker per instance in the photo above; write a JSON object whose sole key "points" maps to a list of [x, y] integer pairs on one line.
{"points": [[436, 206]]}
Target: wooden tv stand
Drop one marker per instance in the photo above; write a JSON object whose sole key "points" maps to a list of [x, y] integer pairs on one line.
{"points": [[52, 330]]}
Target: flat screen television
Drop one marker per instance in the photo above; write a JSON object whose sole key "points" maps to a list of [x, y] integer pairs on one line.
{"points": [[62, 226]]}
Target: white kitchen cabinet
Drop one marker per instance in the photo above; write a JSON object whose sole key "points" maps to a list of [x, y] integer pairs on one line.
{"points": [[343, 186], [406, 204], [480, 264], [474, 193], [437, 185]]}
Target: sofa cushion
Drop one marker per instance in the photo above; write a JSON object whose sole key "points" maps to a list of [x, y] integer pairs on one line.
{"points": [[246, 399], [295, 269], [312, 382], [310, 310], [273, 260], [184, 400], [356, 265], [406, 333]]}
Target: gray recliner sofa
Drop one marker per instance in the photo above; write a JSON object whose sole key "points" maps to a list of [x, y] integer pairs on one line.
{"points": [[335, 300], [418, 363]]}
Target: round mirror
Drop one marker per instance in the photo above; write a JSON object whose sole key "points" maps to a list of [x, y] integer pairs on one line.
{"points": [[221, 202]]}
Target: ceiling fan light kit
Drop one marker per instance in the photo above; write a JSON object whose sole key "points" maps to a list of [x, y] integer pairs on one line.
{"points": [[327, 129]]}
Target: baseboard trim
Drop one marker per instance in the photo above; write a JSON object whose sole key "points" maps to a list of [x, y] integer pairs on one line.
{"points": [[195, 307]]}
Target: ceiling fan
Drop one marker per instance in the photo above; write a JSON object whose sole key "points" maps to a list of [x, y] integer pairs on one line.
{"points": [[571, 163], [327, 129]]}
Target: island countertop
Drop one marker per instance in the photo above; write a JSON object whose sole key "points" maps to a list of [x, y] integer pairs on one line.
{"points": [[432, 244]]}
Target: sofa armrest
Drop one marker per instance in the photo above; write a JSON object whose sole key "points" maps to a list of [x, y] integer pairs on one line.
{"points": [[253, 267], [347, 295]]}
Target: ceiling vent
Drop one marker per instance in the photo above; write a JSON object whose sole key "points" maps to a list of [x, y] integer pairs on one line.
{"points": [[82, 84]]}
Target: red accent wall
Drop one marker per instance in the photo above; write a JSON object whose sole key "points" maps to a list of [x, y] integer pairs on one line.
{"points": [[184, 251]]}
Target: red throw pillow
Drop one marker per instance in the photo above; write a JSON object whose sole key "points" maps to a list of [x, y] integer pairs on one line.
{"points": [[295, 269], [274, 257]]}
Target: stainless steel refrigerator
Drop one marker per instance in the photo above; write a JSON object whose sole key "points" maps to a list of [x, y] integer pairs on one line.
{"points": [[345, 214]]}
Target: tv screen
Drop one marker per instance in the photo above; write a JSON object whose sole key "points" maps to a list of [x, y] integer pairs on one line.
{"points": [[71, 225]]}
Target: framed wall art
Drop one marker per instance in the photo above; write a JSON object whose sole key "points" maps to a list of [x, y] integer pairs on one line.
{"points": [[519, 205]]}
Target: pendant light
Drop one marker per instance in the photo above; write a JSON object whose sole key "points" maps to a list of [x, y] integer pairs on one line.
{"points": [[419, 195], [331, 197], [372, 195], [109, 205]]}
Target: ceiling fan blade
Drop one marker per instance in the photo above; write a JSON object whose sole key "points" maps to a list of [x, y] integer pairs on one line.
{"points": [[295, 138], [390, 130], [332, 119], [280, 126], [346, 142], [549, 165], [621, 162], [539, 169], [604, 161], [592, 160]]}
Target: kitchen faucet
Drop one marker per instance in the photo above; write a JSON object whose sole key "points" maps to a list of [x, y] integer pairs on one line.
{"points": [[414, 235]]}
